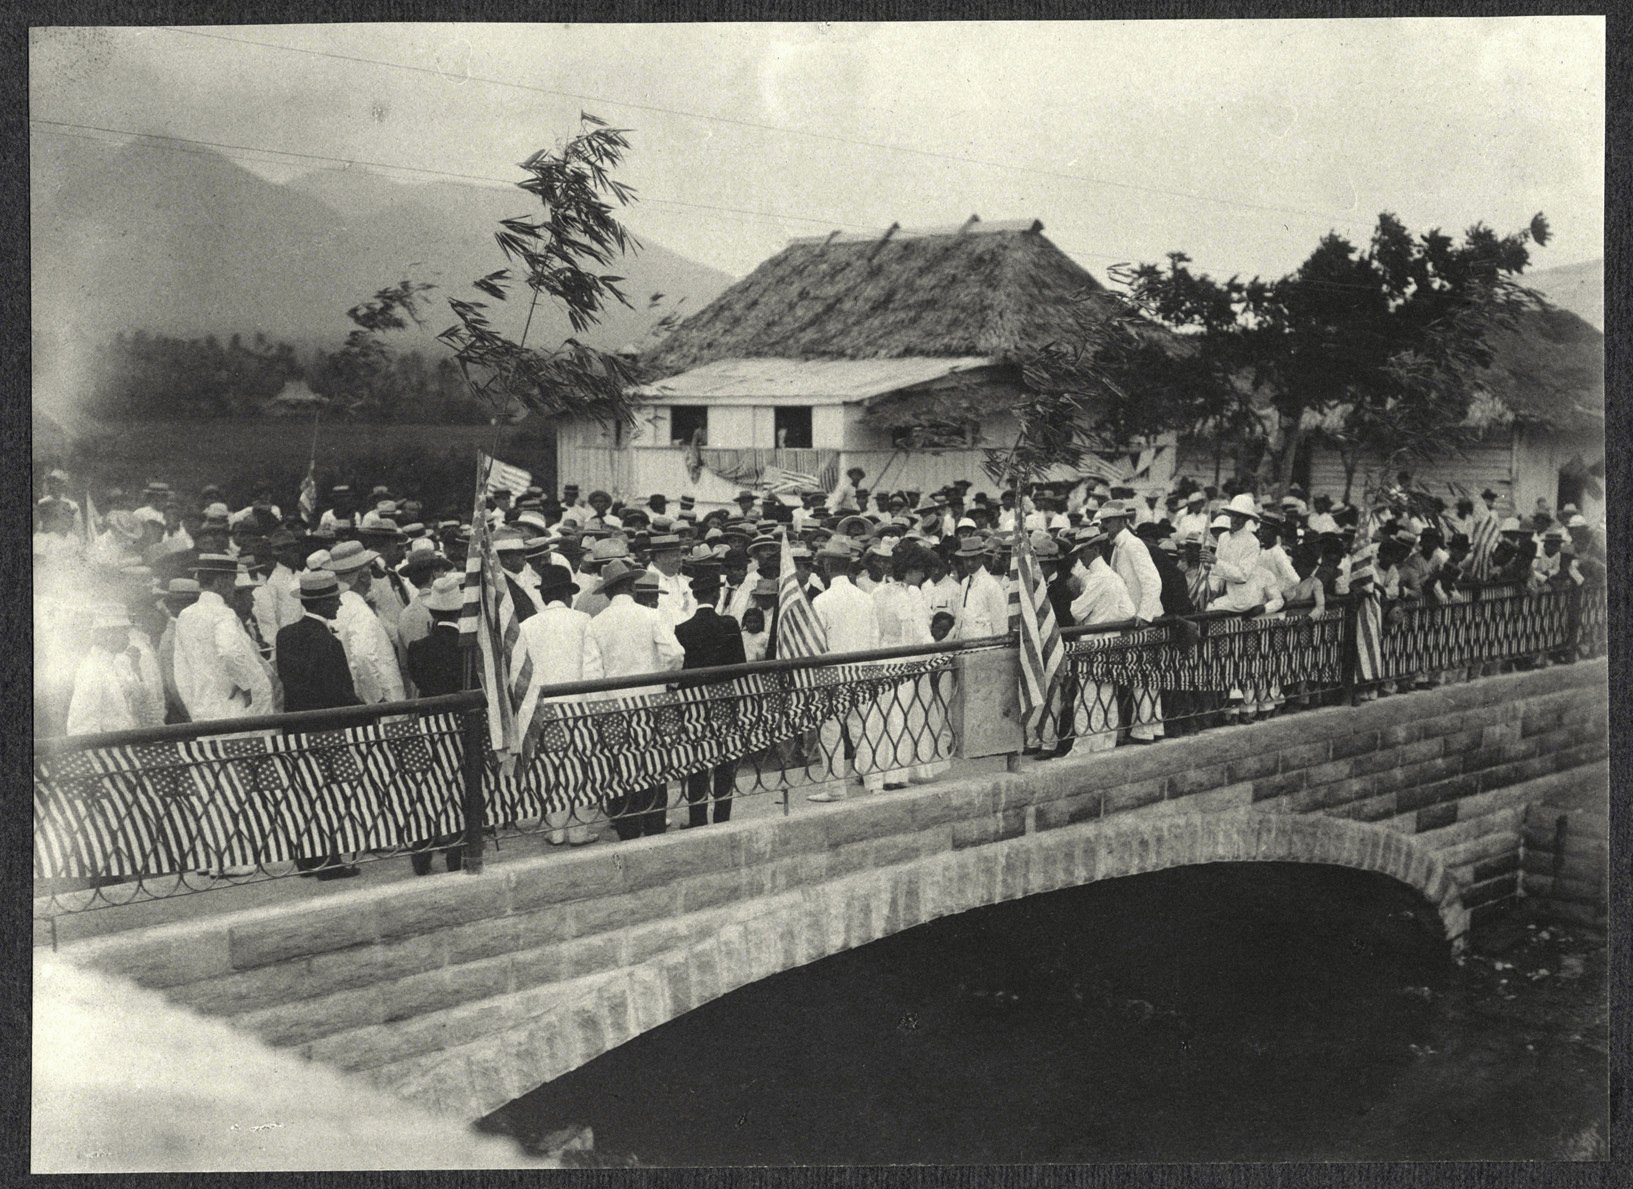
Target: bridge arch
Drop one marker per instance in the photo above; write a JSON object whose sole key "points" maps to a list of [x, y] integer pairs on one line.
{"points": [[760, 938]]}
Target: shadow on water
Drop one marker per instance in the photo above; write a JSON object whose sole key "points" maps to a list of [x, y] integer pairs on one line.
{"points": [[1228, 1012]]}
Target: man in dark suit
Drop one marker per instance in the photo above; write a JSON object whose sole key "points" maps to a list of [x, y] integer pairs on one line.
{"points": [[710, 639], [434, 662], [436, 668], [312, 667]]}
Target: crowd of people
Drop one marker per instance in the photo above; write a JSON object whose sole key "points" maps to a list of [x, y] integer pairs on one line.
{"points": [[172, 608]]}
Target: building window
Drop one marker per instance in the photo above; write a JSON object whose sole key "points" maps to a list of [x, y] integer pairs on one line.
{"points": [[687, 420], [793, 427]]}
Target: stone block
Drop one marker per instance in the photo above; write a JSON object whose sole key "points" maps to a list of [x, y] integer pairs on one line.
{"points": [[1499, 733], [159, 958], [1054, 814], [655, 862], [305, 1020], [589, 917], [1360, 743], [1368, 809], [1215, 800], [1400, 734], [1253, 767], [365, 965], [1124, 797], [709, 890], [972, 798], [559, 878], [868, 818], [975, 831], [436, 990], [248, 990], [1272, 787], [647, 941], [564, 960], [703, 963], [931, 809], [1434, 793], [1328, 773], [1502, 887], [1434, 817], [1462, 741], [424, 906], [1011, 824], [1495, 866], [1305, 755], [298, 931]]}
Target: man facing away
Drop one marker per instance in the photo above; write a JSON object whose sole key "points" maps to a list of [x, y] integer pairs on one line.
{"points": [[436, 668], [634, 640], [369, 651], [312, 667], [563, 650], [710, 639]]}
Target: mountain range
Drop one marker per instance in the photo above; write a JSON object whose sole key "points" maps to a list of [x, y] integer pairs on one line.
{"points": [[189, 243]]}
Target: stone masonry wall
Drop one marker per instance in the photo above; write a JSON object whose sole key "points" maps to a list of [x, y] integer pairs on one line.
{"points": [[461, 994]]}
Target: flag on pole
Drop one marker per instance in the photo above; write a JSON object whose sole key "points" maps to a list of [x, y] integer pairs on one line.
{"points": [[488, 621], [1043, 655], [1363, 585], [309, 492], [799, 632], [504, 477], [89, 527], [1483, 537]]}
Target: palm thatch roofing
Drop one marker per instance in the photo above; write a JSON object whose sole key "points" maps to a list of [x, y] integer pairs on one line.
{"points": [[978, 289], [1549, 370]]}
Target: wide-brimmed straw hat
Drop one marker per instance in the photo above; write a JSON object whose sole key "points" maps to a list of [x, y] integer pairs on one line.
{"points": [[349, 557], [616, 573]]}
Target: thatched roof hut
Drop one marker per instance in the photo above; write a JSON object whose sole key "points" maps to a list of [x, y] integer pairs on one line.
{"points": [[1549, 370], [976, 289]]}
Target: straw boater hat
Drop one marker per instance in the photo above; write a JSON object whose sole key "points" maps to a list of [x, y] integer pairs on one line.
{"points": [[765, 588], [446, 594], [318, 584], [181, 592], [971, 547], [664, 543], [836, 549], [348, 557], [1090, 537], [509, 540], [851, 522], [615, 574]]}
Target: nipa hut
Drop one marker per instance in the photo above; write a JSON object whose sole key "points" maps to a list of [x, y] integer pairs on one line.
{"points": [[895, 353], [1541, 421]]}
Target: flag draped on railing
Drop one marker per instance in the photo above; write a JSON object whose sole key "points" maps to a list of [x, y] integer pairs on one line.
{"points": [[488, 622], [1043, 657], [799, 632]]}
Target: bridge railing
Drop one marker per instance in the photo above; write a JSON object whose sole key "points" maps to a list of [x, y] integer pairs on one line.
{"points": [[173, 810]]}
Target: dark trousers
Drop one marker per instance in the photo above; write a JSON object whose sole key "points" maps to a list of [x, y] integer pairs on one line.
{"points": [[724, 779], [452, 855], [645, 811]]}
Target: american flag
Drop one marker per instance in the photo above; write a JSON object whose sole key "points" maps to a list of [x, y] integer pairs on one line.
{"points": [[201, 804], [799, 633], [1363, 585], [1483, 537], [1103, 468], [309, 492], [504, 477], [1043, 656], [782, 481], [488, 621]]}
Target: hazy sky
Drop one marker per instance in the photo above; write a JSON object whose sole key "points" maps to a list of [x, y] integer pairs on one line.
{"points": [[1176, 135]]}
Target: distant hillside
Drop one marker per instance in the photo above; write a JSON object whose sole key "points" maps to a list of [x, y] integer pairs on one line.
{"points": [[191, 243], [1579, 288]]}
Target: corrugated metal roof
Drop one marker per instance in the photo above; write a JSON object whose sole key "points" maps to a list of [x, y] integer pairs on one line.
{"points": [[839, 379]]}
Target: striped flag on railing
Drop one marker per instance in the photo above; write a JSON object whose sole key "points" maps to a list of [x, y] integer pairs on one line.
{"points": [[504, 477], [782, 481], [799, 632], [1043, 656]]}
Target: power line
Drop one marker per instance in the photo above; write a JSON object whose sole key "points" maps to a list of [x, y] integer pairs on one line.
{"points": [[783, 130], [223, 148], [54, 127]]}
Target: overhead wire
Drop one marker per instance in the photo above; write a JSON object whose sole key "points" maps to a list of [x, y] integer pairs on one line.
{"points": [[780, 129], [234, 151]]}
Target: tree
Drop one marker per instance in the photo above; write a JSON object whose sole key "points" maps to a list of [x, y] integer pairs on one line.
{"points": [[1380, 349], [555, 256]]}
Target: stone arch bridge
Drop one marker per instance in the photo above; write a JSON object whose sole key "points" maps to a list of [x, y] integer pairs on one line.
{"points": [[463, 994]]}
